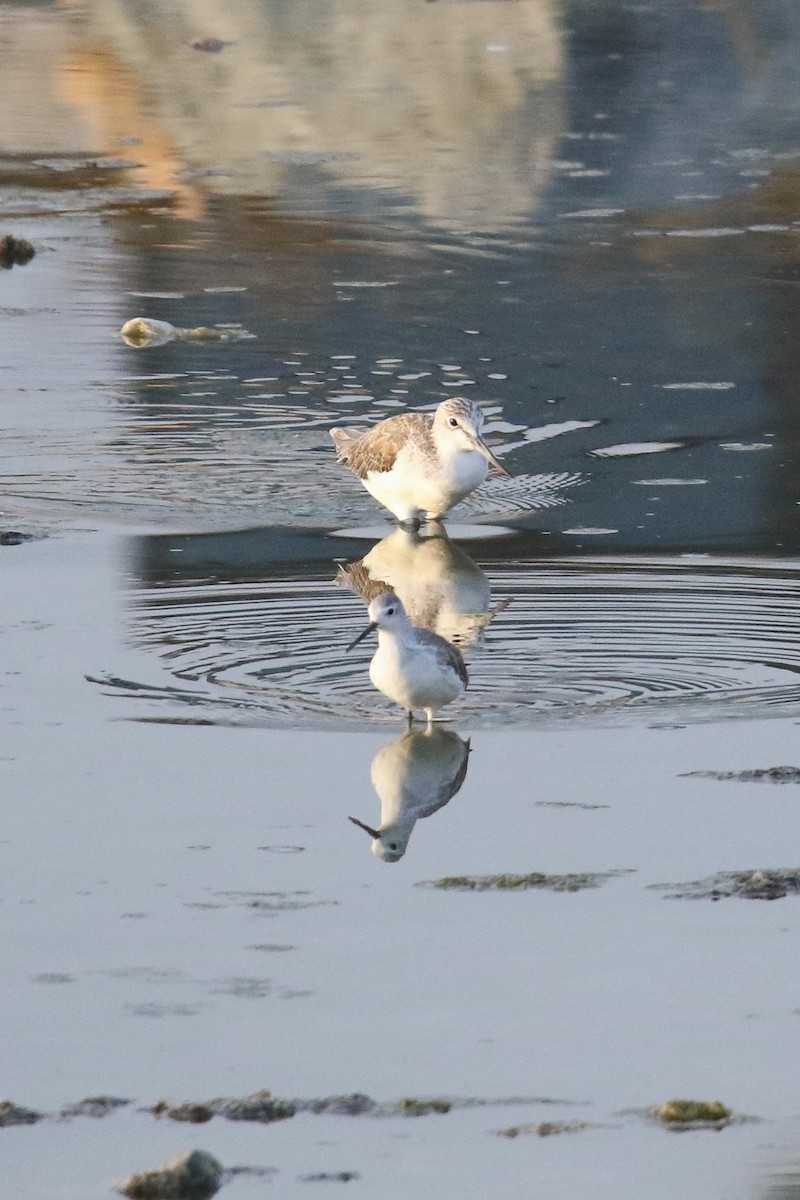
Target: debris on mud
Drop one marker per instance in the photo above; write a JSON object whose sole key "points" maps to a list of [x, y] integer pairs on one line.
{"points": [[681, 1115], [147, 331], [15, 1114], [544, 1128], [749, 885], [93, 1106], [14, 252], [756, 775], [510, 883], [189, 1176]]}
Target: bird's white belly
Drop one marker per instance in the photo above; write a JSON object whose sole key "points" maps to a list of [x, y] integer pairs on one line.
{"points": [[413, 677], [418, 486]]}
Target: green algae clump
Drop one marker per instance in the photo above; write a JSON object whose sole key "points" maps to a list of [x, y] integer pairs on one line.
{"points": [[421, 1108], [693, 1112], [544, 1128], [518, 883]]}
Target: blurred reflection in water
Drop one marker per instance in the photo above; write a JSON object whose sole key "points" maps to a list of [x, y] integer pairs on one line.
{"points": [[439, 584], [450, 106], [783, 1183], [414, 775]]}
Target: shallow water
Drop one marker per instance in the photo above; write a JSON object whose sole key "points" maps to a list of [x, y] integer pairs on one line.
{"points": [[586, 218]]}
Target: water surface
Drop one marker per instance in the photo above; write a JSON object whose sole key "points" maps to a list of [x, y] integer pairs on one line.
{"points": [[584, 216]]}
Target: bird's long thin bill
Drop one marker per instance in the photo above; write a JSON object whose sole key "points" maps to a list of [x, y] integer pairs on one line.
{"points": [[373, 833], [361, 636], [487, 454]]}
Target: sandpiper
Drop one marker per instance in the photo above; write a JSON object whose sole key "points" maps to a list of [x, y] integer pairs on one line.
{"points": [[419, 465], [412, 666]]}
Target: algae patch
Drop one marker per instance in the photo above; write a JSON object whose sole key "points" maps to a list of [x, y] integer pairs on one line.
{"points": [[756, 775], [772, 884], [519, 883], [681, 1115], [421, 1108], [544, 1129], [15, 1114], [96, 1107]]}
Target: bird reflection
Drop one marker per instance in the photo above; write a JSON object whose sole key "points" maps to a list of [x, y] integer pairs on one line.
{"points": [[414, 775], [440, 586]]}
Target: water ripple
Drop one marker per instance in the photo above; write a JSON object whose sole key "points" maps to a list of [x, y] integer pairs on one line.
{"points": [[616, 639]]}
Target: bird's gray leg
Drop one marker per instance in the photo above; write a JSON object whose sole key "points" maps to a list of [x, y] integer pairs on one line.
{"points": [[410, 718]]}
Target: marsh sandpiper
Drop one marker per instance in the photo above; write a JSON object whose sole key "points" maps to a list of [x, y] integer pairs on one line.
{"points": [[412, 666], [419, 465]]}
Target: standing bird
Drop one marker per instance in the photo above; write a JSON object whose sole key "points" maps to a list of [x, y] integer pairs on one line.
{"points": [[412, 666], [419, 465]]}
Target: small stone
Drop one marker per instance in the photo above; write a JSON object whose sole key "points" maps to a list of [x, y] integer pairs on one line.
{"points": [[12, 537], [192, 1175]]}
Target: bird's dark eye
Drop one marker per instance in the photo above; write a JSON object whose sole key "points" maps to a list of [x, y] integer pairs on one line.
{"points": [[392, 845], [453, 422], [390, 612]]}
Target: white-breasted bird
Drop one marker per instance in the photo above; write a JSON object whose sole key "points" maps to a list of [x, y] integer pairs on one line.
{"points": [[412, 666], [419, 465]]}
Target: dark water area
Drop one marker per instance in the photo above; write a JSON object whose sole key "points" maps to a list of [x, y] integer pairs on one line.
{"points": [[586, 217]]}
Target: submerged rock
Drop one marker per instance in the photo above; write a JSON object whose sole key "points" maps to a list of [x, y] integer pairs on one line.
{"points": [[509, 883], [756, 775], [15, 1114], [692, 1114], [188, 1176], [147, 331]]}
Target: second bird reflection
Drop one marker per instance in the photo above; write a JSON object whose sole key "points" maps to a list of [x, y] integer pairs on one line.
{"points": [[440, 586], [414, 775]]}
